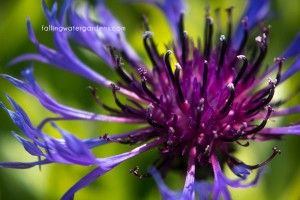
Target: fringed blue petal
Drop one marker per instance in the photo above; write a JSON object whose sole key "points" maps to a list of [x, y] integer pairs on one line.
{"points": [[22, 165], [288, 130], [166, 193], [48, 102], [107, 164], [221, 181], [189, 186], [28, 146], [204, 190], [293, 69], [90, 177]]}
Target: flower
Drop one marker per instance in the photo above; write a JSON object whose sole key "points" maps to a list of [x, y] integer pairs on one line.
{"points": [[194, 111]]}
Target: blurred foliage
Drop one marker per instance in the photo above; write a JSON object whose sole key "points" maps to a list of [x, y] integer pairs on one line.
{"points": [[281, 182]]}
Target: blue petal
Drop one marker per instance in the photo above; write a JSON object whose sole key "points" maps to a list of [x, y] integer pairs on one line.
{"points": [[166, 193], [89, 39], [293, 49], [204, 190], [21, 165], [75, 148], [33, 88], [28, 146], [21, 120], [221, 181], [295, 67], [107, 164], [189, 186], [288, 130], [90, 177]]}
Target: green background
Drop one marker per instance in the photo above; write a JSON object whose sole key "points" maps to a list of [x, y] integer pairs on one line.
{"points": [[283, 177]]}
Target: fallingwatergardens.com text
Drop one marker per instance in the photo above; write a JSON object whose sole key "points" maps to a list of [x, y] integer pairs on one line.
{"points": [[82, 28]]}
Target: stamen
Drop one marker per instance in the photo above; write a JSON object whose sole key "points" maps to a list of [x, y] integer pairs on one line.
{"points": [[124, 108], [243, 69], [261, 126], [168, 64], [275, 152], [208, 39], [183, 39], [223, 52], [243, 145], [150, 120], [122, 73], [96, 98], [205, 74], [147, 36], [262, 42], [117, 101], [239, 133], [177, 82], [218, 21], [243, 42], [266, 100], [229, 102], [135, 170], [152, 43], [145, 88], [229, 26], [279, 61]]}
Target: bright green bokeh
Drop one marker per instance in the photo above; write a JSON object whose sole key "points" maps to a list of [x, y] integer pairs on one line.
{"points": [[281, 182]]}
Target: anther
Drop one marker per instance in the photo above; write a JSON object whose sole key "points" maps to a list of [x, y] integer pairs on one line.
{"points": [[229, 102], [120, 105], [117, 101], [205, 74], [146, 89], [265, 101], [168, 64], [223, 52], [263, 46], [183, 39], [208, 38], [262, 125], [94, 93], [147, 36], [275, 152], [105, 137], [123, 74], [150, 120], [243, 69], [135, 170], [279, 61], [177, 83]]}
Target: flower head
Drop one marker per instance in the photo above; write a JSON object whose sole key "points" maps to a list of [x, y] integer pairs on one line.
{"points": [[214, 97]]}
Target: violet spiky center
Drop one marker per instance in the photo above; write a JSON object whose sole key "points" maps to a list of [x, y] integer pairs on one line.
{"points": [[204, 102]]}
